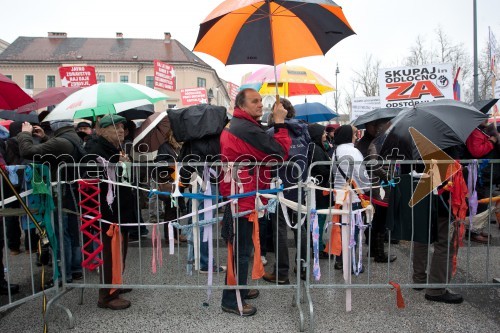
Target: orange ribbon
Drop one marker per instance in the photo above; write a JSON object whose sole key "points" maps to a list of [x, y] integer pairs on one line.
{"points": [[400, 302], [258, 267], [116, 255], [231, 278], [334, 245]]}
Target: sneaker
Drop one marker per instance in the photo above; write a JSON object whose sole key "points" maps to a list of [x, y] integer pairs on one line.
{"points": [[248, 310], [114, 304], [271, 277], [447, 297], [264, 260], [221, 269]]}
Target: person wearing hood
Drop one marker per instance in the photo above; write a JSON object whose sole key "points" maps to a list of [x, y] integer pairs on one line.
{"points": [[64, 147], [290, 176], [319, 153]]}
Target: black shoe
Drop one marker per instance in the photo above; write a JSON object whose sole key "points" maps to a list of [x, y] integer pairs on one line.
{"points": [[447, 297], [77, 275], [384, 258], [248, 310], [323, 255], [252, 293], [50, 284], [338, 265], [4, 288], [418, 289], [303, 273], [124, 290]]}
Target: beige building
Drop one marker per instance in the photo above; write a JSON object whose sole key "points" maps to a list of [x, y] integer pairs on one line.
{"points": [[33, 63]]}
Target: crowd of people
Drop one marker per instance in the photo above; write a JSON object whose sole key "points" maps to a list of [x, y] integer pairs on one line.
{"points": [[285, 138]]}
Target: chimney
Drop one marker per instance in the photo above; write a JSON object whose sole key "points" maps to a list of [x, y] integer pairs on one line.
{"points": [[57, 35], [167, 37], [119, 35]]}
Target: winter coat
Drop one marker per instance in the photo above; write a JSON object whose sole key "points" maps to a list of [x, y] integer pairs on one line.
{"points": [[322, 173], [99, 146], [299, 135], [244, 139]]}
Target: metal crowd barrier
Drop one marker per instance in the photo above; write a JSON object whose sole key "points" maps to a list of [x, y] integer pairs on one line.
{"points": [[177, 266], [477, 266], [173, 266], [21, 264]]}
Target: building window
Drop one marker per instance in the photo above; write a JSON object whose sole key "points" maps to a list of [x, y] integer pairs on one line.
{"points": [[172, 106], [101, 78], [202, 82], [29, 82], [124, 78], [150, 82], [9, 76], [51, 81]]}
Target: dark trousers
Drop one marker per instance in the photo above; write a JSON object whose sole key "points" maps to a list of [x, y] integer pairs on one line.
{"points": [[2, 244], [241, 249], [280, 233], [440, 262], [107, 258]]}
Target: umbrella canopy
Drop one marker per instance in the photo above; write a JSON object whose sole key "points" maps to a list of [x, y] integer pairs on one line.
{"points": [[14, 116], [314, 112], [6, 123], [446, 123], [152, 133], [485, 105], [11, 95], [140, 112], [104, 98], [292, 81], [381, 113], [271, 32], [50, 96]]}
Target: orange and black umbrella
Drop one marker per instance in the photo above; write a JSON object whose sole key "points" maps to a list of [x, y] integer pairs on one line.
{"points": [[271, 32]]}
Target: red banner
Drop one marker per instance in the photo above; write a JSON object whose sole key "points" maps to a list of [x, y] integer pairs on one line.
{"points": [[77, 76], [193, 96], [164, 76], [233, 90]]}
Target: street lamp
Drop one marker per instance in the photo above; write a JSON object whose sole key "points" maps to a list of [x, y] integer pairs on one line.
{"points": [[210, 95], [336, 90]]}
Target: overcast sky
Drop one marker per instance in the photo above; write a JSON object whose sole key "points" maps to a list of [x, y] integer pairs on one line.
{"points": [[384, 28]]}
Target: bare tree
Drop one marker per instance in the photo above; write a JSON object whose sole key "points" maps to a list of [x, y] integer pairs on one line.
{"points": [[367, 78], [418, 53]]}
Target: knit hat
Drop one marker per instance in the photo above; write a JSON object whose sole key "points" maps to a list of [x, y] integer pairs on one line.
{"points": [[109, 120], [83, 124], [57, 124]]}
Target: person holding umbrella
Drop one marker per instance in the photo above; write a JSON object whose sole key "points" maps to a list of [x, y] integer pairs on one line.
{"points": [[244, 138], [107, 144]]}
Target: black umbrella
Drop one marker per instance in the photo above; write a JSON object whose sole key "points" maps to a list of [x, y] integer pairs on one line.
{"points": [[485, 105], [446, 123], [380, 113], [31, 117]]}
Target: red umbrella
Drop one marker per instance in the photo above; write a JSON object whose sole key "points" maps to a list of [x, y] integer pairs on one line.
{"points": [[11, 95], [50, 96]]}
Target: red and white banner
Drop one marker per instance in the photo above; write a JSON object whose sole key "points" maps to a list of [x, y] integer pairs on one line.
{"points": [[193, 96], [164, 76], [233, 90], [407, 86], [77, 76]]}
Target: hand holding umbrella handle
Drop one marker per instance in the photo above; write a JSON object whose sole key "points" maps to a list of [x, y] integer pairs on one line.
{"points": [[279, 113]]}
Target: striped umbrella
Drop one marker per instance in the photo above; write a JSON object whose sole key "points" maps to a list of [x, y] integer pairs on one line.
{"points": [[292, 81], [104, 98]]}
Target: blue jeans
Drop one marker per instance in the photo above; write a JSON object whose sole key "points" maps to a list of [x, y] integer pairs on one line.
{"points": [[242, 249], [71, 234]]}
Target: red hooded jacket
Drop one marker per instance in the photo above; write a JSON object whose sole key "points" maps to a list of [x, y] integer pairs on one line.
{"points": [[244, 139]]}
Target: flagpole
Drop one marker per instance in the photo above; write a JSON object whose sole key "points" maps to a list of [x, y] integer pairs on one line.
{"points": [[476, 83]]}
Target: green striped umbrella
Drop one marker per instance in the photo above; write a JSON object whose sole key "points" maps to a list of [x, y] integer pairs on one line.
{"points": [[104, 98]]}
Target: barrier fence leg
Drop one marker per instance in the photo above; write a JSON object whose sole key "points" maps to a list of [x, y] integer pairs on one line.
{"points": [[53, 301]]}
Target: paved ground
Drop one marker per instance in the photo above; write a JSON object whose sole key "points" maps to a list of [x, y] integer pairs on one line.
{"points": [[168, 310]]}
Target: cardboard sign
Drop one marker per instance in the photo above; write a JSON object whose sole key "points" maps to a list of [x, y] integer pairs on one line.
{"points": [[233, 90], [77, 76], [193, 96], [362, 105], [164, 76], [406, 86]]}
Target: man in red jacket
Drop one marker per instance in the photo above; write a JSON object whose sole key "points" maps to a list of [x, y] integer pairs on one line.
{"points": [[244, 140]]}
